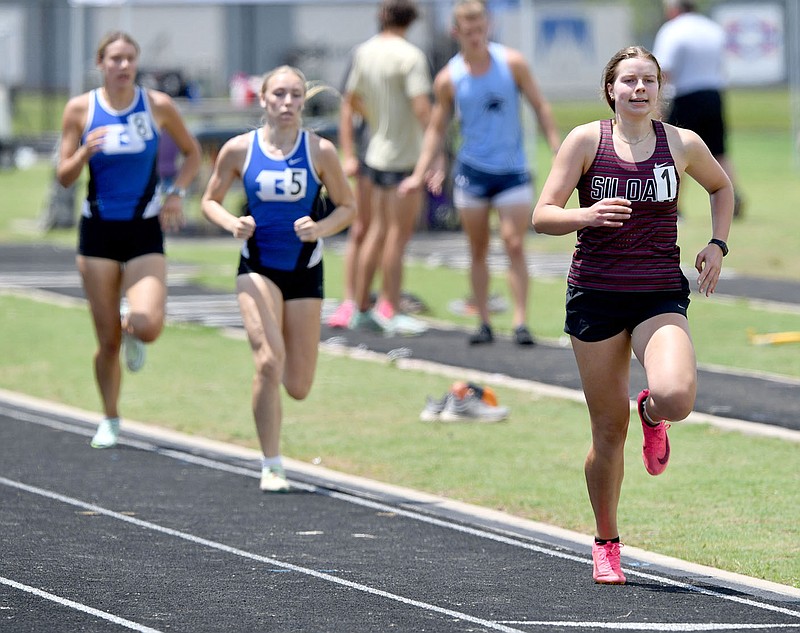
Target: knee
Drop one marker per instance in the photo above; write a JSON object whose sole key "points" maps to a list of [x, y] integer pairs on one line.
{"points": [[297, 389], [515, 247], [358, 230], [674, 402], [149, 333], [269, 366], [479, 248], [109, 346], [609, 432], [146, 327]]}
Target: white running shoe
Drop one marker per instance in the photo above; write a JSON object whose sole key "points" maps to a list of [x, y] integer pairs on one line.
{"points": [[404, 325], [273, 479], [134, 351], [107, 434], [365, 321], [132, 348], [433, 408], [471, 408]]}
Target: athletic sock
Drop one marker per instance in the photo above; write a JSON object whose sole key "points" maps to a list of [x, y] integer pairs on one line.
{"points": [[269, 462], [601, 541], [647, 417]]}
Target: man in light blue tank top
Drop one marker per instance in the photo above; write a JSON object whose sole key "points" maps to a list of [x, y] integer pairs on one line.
{"points": [[482, 85]]}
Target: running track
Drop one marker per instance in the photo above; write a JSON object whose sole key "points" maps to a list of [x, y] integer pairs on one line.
{"points": [[167, 534]]}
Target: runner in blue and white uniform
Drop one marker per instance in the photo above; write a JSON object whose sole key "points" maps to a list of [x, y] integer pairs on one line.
{"points": [[283, 168], [115, 130]]}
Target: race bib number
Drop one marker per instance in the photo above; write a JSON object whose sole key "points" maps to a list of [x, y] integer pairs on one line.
{"points": [[285, 186], [130, 137], [666, 182]]}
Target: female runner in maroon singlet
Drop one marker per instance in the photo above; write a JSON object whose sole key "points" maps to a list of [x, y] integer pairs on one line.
{"points": [[626, 292]]}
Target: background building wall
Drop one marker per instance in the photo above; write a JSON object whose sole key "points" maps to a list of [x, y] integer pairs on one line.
{"points": [[567, 41]]}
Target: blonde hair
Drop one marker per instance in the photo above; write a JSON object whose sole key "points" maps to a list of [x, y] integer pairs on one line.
{"points": [[310, 88], [468, 9], [110, 38]]}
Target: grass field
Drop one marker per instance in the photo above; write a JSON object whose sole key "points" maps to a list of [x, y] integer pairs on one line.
{"points": [[727, 500]]}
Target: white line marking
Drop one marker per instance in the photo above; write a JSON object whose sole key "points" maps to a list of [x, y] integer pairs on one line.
{"points": [[656, 626], [255, 557], [78, 606]]}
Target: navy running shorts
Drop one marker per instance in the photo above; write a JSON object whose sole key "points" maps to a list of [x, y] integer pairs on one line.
{"points": [[485, 186]]}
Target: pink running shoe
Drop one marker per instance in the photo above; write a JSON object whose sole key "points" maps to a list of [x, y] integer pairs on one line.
{"points": [[341, 318], [384, 309], [655, 445], [607, 568]]}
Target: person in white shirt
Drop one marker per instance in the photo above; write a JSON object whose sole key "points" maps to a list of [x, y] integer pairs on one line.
{"points": [[690, 49]]}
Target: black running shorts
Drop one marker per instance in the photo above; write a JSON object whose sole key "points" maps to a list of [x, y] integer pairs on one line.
{"points": [[121, 241], [597, 315], [303, 283]]}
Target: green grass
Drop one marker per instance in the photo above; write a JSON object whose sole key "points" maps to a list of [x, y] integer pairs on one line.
{"points": [[727, 500]]}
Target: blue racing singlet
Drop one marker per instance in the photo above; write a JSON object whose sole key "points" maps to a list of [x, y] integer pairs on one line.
{"points": [[488, 110], [281, 189], [123, 176]]}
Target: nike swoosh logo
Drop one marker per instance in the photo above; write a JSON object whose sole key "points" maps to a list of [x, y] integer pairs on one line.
{"points": [[294, 161], [657, 166], [665, 459]]}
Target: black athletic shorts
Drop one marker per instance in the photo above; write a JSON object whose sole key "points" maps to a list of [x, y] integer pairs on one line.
{"points": [[121, 241], [597, 315], [701, 112], [303, 283], [386, 179]]}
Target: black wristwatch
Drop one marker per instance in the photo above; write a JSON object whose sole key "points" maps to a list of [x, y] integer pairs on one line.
{"points": [[721, 244]]}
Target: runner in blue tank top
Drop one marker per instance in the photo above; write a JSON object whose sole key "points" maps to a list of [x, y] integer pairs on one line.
{"points": [[280, 190], [280, 282], [115, 130], [481, 86], [626, 293], [124, 175]]}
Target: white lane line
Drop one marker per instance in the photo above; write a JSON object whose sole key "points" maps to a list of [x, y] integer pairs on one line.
{"points": [[656, 626], [422, 518], [134, 626], [197, 540]]}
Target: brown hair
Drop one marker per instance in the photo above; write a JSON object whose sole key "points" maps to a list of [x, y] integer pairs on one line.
{"points": [[610, 71], [110, 38], [397, 13]]}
